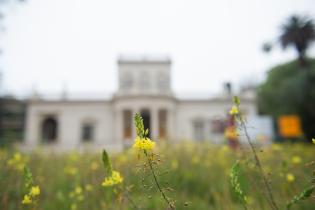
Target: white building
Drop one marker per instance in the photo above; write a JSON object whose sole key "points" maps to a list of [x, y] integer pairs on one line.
{"points": [[144, 87]]}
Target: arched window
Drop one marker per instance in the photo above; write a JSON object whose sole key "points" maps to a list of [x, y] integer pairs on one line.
{"points": [[49, 129]]}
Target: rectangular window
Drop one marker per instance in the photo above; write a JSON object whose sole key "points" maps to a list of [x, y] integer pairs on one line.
{"points": [[87, 132], [199, 128], [127, 120], [217, 126]]}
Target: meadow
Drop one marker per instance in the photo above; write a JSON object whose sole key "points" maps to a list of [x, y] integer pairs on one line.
{"points": [[196, 174]]}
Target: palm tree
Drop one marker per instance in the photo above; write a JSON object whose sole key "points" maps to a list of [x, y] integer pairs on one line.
{"points": [[298, 32]]}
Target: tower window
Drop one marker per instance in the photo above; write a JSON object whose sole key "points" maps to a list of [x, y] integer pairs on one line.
{"points": [[126, 81], [163, 82]]}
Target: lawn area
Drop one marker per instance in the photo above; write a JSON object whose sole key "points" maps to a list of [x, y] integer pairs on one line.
{"points": [[197, 173]]}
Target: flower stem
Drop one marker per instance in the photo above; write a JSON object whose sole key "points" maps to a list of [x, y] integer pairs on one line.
{"points": [[157, 183], [272, 203]]}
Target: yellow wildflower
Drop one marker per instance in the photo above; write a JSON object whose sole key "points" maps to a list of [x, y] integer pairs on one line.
{"points": [[114, 179], [290, 177], [71, 170], [73, 206], [143, 143], [17, 162], [78, 190], [296, 159], [88, 187], [276, 147], [80, 198], [234, 110], [313, 140], [27, 199], [35, 191]]}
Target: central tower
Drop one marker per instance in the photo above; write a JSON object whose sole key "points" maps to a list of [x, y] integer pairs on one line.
{"points": [[144, 75]]}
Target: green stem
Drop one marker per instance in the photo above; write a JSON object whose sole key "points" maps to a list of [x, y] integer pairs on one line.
{"points": [[157, 183], [134, 205], [273, 204]]}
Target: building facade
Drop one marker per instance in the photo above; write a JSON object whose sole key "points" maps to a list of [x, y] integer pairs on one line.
{"points": [[145, 88]]}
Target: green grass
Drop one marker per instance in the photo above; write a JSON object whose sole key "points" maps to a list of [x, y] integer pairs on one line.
{"points": [[198, 173]]}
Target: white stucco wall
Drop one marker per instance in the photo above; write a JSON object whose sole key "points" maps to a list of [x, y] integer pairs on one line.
{"points": [[70, 116], [189, 110]]}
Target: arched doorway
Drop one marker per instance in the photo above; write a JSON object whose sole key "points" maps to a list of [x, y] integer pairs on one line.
{"points": [[146, 116], [49, 130]]}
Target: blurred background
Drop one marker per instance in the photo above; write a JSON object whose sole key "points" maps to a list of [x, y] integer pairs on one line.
{"points": [[73, 73], [64, 49]]}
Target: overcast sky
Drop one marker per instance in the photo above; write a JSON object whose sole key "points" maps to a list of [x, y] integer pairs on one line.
{"points": [[52, 44]]}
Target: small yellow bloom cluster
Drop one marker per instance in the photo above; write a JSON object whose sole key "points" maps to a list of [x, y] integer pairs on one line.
{"points": [[234, 110], [143, 143], [114, 179], [313, 140], [17, 162], [290, 177], [34, 192], [296, 159], [70, 170], [77, 193], [88, 187]]}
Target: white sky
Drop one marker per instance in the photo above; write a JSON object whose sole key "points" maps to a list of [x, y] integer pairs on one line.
{"points": [[50, 44]]}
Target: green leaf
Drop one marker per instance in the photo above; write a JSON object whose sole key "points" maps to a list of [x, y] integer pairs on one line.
{"points": [[28, 177], [236, 100], [138, 121], [306, 193], [236, 186], [106, 162]]}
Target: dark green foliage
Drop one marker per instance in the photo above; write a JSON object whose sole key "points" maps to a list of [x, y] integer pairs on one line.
{"points": [[299, 32], [106, 163], [290, 89]]}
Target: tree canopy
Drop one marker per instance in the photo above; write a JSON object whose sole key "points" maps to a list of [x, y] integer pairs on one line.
{"points": [[288, 90], [299, 32]]}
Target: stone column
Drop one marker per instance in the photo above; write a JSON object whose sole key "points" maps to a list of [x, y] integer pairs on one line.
{"points": [[33, 125], [119, 126], [171, 133], [154, 124]]}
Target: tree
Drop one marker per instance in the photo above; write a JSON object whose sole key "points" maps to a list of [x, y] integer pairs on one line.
{"points": [[298, 32], [286, 91]]}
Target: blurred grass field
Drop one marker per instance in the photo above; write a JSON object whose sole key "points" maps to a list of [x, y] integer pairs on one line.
{"points": [[198, 173]]}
